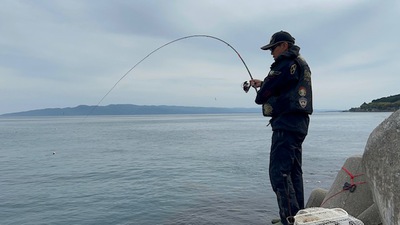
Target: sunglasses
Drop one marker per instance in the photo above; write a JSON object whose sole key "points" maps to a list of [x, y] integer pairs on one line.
{"points": [[274, 47]]}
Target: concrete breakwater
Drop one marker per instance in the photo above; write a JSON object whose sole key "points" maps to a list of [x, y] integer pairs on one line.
{"points": [[368, 185]]}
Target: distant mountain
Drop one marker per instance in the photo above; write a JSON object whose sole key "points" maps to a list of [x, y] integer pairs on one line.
{"points": [[128, 109], [385, 104]]}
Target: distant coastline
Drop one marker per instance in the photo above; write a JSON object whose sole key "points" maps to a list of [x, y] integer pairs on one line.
{"points": [[129, 109], [385, 104]]}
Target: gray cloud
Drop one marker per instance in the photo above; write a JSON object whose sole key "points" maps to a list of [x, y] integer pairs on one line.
{"points": [[65, 53]]}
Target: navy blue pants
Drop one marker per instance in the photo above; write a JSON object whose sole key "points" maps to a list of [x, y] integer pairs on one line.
{"points": [[285, 172]]}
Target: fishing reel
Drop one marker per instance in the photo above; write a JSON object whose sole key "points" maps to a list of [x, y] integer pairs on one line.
{"points": [[246, 86]]}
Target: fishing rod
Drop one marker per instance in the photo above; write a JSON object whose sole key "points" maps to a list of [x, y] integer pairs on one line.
{"points": [[246, 86]]}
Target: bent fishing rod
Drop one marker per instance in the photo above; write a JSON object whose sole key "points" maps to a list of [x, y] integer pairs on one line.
{"points": [[246, 86]]}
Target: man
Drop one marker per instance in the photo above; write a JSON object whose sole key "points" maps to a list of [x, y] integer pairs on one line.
{"points": [[286, 97]]}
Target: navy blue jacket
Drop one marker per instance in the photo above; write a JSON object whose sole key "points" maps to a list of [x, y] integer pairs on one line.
{"points": [[286, 93]]}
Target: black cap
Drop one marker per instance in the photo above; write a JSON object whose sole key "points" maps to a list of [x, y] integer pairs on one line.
{"points": [[278, 37]]}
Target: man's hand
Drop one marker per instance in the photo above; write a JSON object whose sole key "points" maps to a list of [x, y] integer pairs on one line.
{"points": [[256, 83]]}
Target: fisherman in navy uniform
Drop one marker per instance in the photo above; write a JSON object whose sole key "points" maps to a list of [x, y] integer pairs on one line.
{"points": [[286, 96]]}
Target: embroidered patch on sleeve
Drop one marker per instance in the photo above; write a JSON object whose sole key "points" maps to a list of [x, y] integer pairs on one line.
{"points": [[267, 109], [307, 76], [303, 102], [302, 91], [274, 73], [293, 69]]}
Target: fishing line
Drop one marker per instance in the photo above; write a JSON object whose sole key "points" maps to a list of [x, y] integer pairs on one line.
{"points": [[246, 86]]}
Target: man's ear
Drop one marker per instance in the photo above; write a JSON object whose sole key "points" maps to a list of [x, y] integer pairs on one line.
{"points": [[285, 46]]}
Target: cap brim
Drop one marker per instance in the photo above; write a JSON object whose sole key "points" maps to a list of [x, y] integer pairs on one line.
{"points": [[267, 47]]}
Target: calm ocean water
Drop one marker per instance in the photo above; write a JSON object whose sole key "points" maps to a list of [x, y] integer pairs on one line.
{"points": [[167, 169]]}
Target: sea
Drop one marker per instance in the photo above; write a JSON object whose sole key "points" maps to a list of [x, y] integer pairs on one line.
{"points": [[160, 169]]}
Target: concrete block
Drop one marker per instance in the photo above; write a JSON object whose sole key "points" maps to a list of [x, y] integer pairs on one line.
{"points": [[381, 161], [370, 216], [357, 198], [316, 197]]}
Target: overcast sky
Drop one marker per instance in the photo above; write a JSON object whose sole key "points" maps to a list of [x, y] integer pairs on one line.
{"points": [[64, 53]]}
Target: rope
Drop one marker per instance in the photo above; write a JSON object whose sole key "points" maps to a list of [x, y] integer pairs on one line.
{"points": [[347, 186]]}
